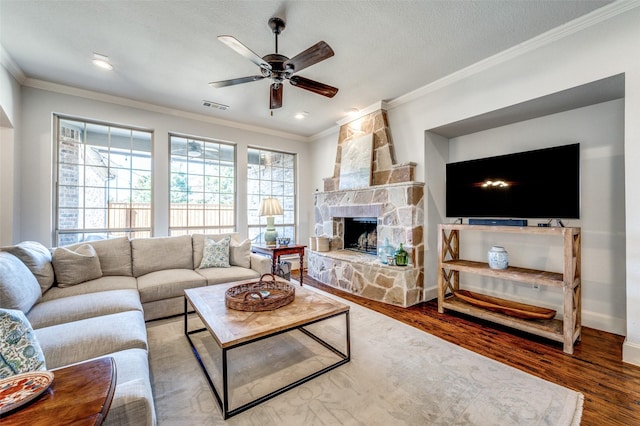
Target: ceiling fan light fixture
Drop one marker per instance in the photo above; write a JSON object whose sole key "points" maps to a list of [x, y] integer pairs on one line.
{"points": [[278, 68], [102, 61]]}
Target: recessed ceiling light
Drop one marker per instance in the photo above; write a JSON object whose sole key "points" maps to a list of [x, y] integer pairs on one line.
{"points": [[301, 115], [102, 61], [353, 111]]}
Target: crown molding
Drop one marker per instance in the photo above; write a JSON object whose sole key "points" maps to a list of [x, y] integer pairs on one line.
{"points": [[7, 61], [599, 15], [377, 106], [117, 100]]}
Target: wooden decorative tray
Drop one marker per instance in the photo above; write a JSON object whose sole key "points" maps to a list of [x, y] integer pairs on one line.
{"points": [[261, 295], [507, 307]]}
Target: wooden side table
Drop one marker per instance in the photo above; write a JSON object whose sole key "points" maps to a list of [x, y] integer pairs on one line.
{"points": [[276, 251], [80, 395]]}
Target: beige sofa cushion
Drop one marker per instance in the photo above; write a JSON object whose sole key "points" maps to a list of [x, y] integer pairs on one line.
{"points": [[226, 275], [168, 283], [133, 399], [83, 306], [114, 255], [19, 288], [76, 341], [240, 253], [160, 253], [75, 266], [93, 286], [37, 258]]}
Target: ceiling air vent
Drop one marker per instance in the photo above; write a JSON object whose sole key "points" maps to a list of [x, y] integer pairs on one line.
{"points": [[215, 105]]}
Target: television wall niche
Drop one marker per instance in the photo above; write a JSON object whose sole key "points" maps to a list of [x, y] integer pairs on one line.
{"points": [[543, 183]]}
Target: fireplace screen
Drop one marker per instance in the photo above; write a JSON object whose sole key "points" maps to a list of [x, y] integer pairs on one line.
{"points": [[360, 234]]}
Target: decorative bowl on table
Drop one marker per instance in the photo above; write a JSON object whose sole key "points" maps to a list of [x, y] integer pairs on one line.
{"points": [[283, 241], [17, 390]]}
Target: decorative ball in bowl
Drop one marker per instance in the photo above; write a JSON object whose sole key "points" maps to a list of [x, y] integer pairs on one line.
{"points": [[283, 241]]}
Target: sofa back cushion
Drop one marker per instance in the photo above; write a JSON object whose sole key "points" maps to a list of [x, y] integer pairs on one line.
{"points": [[20, 351], [19, 288], [37, 258], [114, 255], [75, 266], [160, 253], [235, 256]]}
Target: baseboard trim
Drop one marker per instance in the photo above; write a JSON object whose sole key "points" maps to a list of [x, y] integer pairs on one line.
{"points": [[631, 352]]}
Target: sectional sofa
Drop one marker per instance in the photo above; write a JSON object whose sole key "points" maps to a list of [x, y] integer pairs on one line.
{"points": [[92, 299]]}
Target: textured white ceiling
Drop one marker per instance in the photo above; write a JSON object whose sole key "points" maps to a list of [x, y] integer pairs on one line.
{"points": [[165, 52]]}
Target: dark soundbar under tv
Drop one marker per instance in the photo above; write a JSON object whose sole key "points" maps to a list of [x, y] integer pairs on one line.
{"points": [[499, 222]]}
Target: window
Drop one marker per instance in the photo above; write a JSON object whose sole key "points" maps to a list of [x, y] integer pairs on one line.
{"points": [[202, 186], [103, 181], [271, 174]]}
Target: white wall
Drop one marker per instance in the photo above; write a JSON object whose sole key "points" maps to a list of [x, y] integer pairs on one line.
{"points": [[37, 168], [323, 152], [562, 61], [9, 152]]}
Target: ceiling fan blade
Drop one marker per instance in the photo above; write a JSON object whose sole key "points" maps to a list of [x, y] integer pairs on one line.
{"points": [[316, 53], [225, 83], [275, 99], [313, 86], [233, 43]]}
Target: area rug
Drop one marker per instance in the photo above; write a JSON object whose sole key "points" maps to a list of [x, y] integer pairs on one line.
{"points": [[398, 375]]}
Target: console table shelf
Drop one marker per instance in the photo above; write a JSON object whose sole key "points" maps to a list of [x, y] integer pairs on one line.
{"points": [[565, 330]]}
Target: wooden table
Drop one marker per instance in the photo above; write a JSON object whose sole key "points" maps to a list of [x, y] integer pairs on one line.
{"points": [[80, 394], [276, 251], [232, 329]]}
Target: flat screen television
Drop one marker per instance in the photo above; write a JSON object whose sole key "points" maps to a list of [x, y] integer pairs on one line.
{"points": [[544, 183]]}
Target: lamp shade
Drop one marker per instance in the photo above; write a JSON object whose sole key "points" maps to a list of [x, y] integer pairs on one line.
{"points": [[270, 207]]}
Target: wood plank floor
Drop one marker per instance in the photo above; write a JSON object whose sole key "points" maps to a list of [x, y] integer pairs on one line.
{"points": [[610, 387]]}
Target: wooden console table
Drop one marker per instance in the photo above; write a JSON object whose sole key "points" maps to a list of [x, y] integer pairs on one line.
{"points": [[80, 394], [276, 251], [565, 330]]}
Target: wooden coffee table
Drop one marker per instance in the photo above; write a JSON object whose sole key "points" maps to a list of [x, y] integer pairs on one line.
{"points": [[80, 394], [232, 328]]}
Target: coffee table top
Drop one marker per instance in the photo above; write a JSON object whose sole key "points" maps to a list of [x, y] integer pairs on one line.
{"points": [[230, 327]]}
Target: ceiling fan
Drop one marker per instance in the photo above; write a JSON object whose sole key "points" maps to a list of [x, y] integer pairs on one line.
{"points": [[279, 68]]}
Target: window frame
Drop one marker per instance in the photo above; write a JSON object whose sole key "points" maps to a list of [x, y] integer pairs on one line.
{"points": [[85, 232], [204, 229], [280, 224]]}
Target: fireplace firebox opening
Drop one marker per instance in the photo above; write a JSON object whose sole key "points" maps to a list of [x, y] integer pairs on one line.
{"points": [[361, 234]]}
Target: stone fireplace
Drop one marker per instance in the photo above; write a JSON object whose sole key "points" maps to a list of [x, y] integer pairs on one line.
{"points": [[389, 208]]}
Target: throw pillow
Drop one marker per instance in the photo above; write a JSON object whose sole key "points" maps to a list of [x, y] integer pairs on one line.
{"points": [[240, 253], [37, 258], [76, 266], [19, 288], [20, 351], [215, 254]]}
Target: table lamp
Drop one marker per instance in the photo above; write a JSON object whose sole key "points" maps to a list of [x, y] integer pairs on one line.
{"points": [[270, 207]]}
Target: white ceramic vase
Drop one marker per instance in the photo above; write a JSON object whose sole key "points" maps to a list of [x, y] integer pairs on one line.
{"points": [[498, 258]]}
